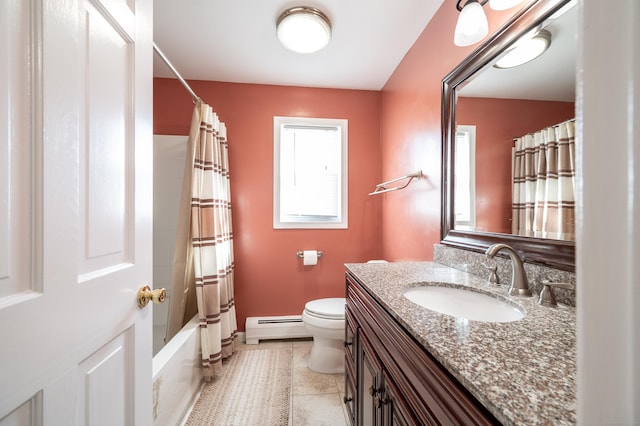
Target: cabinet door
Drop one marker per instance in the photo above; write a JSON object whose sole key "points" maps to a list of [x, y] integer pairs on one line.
{"points": [[395, 410], [349, 394], [350, 370], [369, 381], [350, 337]]}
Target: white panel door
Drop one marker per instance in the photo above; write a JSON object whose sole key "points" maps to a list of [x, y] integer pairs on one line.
{"points": [[75, 211]]}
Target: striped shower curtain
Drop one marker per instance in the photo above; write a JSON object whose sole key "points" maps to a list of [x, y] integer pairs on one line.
{"points": [[203, 260], [544, 183]]}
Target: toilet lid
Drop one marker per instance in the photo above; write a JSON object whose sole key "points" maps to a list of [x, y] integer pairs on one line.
{"points": [[327, 308]]}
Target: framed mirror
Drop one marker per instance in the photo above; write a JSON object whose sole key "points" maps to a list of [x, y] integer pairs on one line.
{"points": [[486, 112]]}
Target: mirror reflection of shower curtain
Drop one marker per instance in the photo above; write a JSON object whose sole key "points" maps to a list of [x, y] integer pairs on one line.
{"points": [[203, 259], [544, 183]]}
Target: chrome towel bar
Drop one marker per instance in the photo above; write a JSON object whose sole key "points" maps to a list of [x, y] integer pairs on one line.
{"points": [[382, 187]]}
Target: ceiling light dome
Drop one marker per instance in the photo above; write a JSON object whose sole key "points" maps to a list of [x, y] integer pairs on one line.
{"points": [[526, 50], [303, 29]]}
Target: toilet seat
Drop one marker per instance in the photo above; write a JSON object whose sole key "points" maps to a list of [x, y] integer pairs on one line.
{"points": [[329, 309]]}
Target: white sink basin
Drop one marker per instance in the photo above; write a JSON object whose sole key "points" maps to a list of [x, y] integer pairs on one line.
{"points": [[464, 303]]}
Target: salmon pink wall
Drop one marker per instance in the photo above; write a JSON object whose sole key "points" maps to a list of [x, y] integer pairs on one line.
{"points": [[411, 135], [269, 278], [497, 122]]}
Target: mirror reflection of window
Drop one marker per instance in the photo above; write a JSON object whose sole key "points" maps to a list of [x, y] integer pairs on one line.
{"points": [[465, 177]]}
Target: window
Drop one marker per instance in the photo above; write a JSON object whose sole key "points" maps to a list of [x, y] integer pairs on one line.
{"points": [[465, 177], [310, 173]]}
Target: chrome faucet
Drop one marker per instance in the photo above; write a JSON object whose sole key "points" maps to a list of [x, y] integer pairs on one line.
{"points": [[519, 282]]}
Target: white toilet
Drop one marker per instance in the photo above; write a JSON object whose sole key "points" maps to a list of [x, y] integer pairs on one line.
{"points": [[324, 318]]}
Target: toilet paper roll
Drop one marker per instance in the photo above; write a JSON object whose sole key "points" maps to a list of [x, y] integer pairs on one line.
{"points": [[310, 257]]}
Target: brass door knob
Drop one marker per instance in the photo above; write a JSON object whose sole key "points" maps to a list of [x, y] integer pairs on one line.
{"points": [[145, 295]]}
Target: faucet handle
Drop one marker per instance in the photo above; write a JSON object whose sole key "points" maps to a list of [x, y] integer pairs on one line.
{"points": [[547, 298], [493, 276]]}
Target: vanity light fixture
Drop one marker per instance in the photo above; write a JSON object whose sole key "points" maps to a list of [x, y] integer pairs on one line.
{"points": [[303, 29], [526, 50], [472, 23], [503, 4]]}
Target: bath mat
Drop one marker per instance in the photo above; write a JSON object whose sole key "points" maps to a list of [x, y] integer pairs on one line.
{"points": [[254, 389]]}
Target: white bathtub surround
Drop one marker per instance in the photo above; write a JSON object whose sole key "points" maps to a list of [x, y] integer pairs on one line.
{"points": [[169, 153], [160, 312], [177, 375]]}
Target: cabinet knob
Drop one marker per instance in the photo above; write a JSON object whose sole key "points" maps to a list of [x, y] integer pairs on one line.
{"points": [[347, 400], [379, 402], [347, 344]]}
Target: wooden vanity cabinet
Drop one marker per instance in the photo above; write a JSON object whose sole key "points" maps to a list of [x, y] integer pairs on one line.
{"points": [[392, 379]]}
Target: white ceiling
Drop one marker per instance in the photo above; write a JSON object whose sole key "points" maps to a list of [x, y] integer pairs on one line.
{"points": [[235, 41]]}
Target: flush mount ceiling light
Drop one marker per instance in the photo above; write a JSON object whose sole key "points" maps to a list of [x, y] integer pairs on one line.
{"points": [[526, 50], [303, 29], [503, 4], [472, 23]]}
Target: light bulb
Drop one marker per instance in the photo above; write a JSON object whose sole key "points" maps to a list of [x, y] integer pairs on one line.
{"points": [[472, 25]]}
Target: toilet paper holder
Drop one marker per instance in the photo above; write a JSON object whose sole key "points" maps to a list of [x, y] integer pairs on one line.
{"points": [[300, 254]]}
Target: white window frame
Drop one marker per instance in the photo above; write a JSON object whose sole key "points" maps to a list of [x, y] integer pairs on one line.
{"points": [[311, 222], [469, 220]]}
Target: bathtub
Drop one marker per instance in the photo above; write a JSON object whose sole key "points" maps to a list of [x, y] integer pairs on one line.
{"points": [[177, 376]]}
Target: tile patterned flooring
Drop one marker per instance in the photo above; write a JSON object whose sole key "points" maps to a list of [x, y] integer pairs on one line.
{"points": [[316, 399]]}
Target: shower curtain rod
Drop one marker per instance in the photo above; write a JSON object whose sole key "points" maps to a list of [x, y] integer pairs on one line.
{"points": [[553, 125], [175, 72]]}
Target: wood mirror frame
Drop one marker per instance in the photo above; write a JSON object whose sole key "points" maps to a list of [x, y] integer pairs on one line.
{"points": [[553, 253]]}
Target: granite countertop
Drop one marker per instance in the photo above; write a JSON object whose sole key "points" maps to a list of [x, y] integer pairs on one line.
{"points": [[523, 372]]}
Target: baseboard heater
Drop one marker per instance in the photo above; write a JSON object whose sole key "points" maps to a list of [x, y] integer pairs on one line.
{"points": [[280, 327]]}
